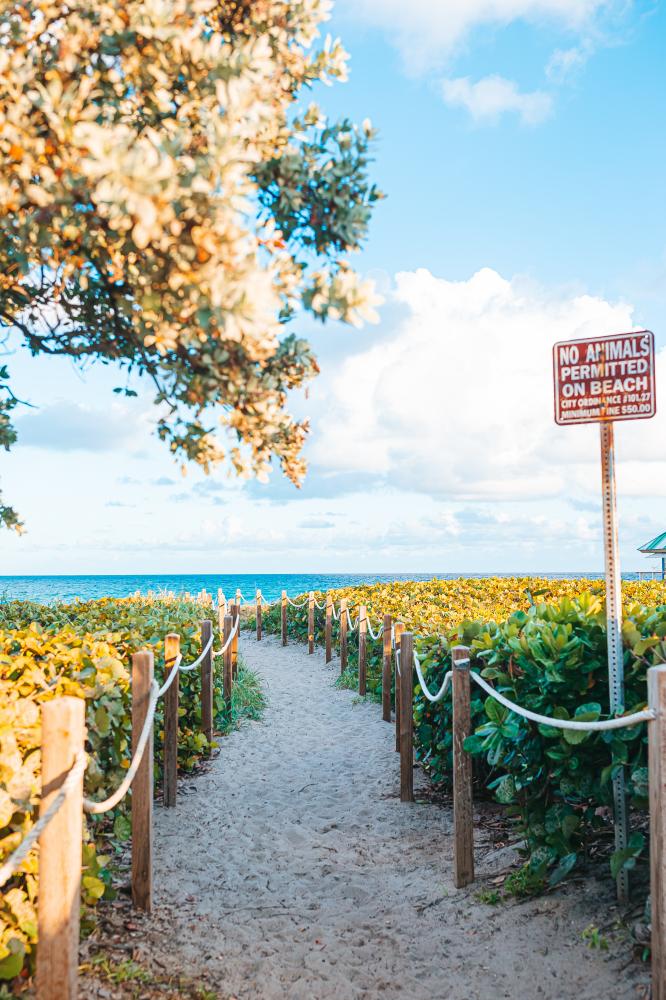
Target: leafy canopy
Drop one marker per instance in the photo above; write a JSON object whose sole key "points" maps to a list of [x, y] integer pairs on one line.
{"points": [[170, 204]]}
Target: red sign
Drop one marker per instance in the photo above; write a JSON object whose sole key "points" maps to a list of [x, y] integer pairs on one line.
{"points": [[607, 378]]}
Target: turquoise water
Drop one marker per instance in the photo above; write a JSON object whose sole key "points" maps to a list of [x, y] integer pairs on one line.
{"points": [[67, 588]]}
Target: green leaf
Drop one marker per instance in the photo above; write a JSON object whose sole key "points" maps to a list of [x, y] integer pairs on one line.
{"points": [[473, 744], [11, 965], [589, 712], [122, 828], [640, 781], [563, 868], [575, 736], [505, 790], [496, 713], [625, 859]]}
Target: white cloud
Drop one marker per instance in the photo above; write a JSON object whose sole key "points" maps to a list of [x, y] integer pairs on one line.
{"points": [[456, 400], [564, 63], [493, 96], [426, 31], [68, 426]]}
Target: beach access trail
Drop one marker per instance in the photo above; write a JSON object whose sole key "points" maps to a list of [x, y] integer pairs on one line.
{"points": [[290, 869]]}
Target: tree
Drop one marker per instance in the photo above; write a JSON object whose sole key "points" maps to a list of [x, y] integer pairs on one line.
{"points": [[169, 205]]}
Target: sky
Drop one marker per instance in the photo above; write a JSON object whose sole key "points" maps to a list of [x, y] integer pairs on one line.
{"points": [[521, 147]]}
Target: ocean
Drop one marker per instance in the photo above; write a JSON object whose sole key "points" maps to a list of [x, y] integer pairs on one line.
{"points": [[67, 588]]}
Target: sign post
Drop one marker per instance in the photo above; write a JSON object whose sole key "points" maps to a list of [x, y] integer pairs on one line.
{"points": [[604, 380]]}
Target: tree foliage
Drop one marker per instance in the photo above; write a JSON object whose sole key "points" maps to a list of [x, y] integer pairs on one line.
{"points": [[170, 204]]}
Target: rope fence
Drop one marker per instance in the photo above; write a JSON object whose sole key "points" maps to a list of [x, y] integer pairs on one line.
{"points": [[402, 672], [57, 832], [58, 829]]}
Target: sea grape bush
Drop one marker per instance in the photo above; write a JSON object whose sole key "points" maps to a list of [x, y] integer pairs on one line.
{"points": [[543, 644], [551, 659], [84, 650]]}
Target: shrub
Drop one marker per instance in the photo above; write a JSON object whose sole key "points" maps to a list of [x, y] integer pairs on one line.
{"points": [[542, 643], [84, 650]]}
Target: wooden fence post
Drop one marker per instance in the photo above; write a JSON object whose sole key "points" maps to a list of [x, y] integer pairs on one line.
{"points": [[362, 649], [221, 610], [235, 614], [258, 616], [656, 680], [207, 682], [406, 717], [239, 597], [397, 633], [311, 620], [63, 733], [343, 634], [228, 665], [284, 617], [329, 627], [170, 763], [143, 670], [463, 808], [387, 655]]}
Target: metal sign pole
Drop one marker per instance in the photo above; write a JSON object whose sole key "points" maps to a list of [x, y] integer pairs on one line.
{"points": [[614, 632]]}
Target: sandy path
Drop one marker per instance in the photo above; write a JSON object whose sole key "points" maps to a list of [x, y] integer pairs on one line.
{"points": [[291, 869]]}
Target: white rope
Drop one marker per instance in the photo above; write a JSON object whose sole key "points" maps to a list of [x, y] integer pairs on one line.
{"points": [[297, 604], [200, 657], [89, 805], [318, 605], [174, 671], [219, 652], [545, 720], [336, 616], [380, 629], [17, 857], [397, 660], [424, 687]]}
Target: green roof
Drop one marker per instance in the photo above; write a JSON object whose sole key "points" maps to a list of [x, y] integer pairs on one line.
{"points": [[657, 546]]}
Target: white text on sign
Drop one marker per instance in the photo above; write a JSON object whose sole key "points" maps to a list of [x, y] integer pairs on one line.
{"points": [[607, 378]]}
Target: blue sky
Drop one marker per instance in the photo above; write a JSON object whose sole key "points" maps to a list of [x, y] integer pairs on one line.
{"points": [[521, 147]]}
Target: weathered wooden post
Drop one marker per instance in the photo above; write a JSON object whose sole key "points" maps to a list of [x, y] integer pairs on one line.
{"points": [[228, 665], [397, 633], [143, 670], [171, 696], [239, 597], [406, 717], [463, 808], [656, 679], [343, 634], [283, 610], [311, 622], [221, 610], [387, 656], [258, 616], [63, 733], [329, 627], [362, 649], [207, 682], [235, 614]]}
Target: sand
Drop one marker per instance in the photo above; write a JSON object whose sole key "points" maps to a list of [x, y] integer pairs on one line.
{"points": [[292, 870]]}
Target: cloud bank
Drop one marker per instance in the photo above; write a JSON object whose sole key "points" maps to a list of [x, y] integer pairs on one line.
{"points": [[457, 400], [493, 96], [428, 31]]}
